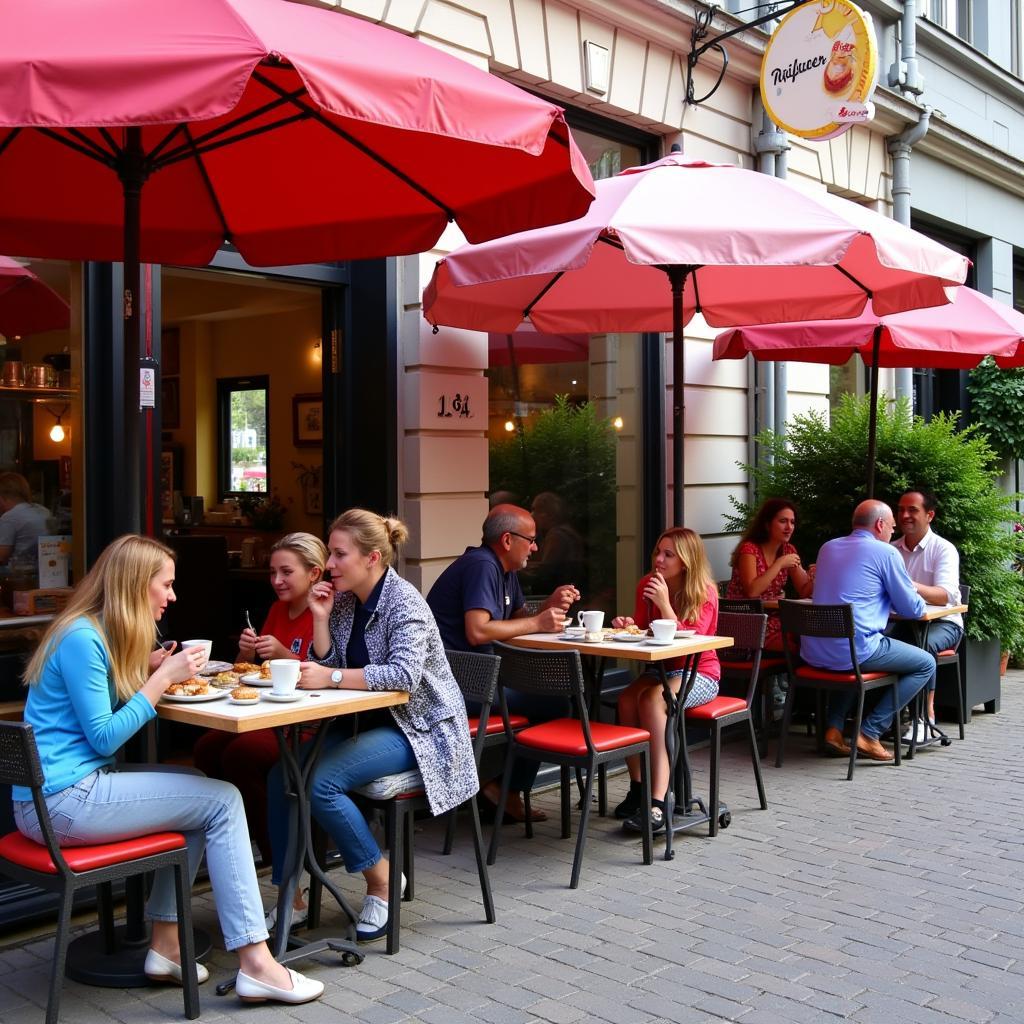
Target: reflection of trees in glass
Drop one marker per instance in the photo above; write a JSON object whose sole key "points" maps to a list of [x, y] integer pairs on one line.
{"points": [[248, 464], [570, 451]]}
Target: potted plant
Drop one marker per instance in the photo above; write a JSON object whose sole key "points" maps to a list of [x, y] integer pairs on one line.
{"points": [[264, 511], [820, 465]]}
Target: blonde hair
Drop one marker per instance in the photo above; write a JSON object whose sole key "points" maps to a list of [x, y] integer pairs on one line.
{"points": [[371, 532], [693, 592], [114, 597], [310, 551], [14, 485]]}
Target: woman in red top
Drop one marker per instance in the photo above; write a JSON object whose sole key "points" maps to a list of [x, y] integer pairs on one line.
{"points": [[679, 586], [764, 560], [296, 562]]}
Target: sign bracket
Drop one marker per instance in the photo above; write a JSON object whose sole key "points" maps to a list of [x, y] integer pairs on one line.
{"points": [[702, 25]]}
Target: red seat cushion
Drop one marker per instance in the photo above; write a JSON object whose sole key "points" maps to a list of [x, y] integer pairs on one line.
{"points": [[19, 850], [746, 666], [946, 654], [410, 794], [827, 675], [717, 708], [495, 725], [565, 736]]}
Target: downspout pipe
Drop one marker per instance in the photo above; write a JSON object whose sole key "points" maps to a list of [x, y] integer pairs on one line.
{"points": [[899, 147]]}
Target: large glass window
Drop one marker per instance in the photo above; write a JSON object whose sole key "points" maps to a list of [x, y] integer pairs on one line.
{"points": [[565, 435], [244, 435]]}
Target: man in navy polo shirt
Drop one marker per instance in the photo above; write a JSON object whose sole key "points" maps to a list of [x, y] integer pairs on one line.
{"points": [[478, 600]]}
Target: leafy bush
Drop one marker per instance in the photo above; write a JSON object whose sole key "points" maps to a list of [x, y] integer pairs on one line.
{"points": [[997, 405], [567, 449], [821, 466]]}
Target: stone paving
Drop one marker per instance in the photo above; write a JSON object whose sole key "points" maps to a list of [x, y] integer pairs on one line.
{"points": [[893, 898]]}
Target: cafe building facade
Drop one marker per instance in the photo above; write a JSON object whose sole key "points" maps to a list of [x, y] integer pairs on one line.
{"points": [[323, 387]]}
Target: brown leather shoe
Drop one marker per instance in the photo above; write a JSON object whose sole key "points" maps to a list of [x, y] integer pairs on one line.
{"points": [[835, 744], [872, 749]]}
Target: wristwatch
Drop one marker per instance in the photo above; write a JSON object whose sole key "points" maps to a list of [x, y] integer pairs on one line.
{"points": [[336, 677]]}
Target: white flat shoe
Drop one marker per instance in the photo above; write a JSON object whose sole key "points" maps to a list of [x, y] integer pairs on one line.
{"points": [[373, 918], [158, 968], [303, 990]]}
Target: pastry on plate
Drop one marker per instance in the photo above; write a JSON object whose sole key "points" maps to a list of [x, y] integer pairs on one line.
{"points": [[225, 680], [245, 693], [188, 688], [265, 670], [244, 668]]}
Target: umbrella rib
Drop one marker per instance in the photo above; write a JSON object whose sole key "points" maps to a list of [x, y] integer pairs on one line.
{"points": [[353, 141], [847, 274], [10, 138], [540, 295], [209, 185], [154, 154], [86, 146]]}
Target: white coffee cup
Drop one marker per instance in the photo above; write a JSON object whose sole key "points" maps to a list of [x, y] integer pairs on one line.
{"points": [[664, 630], [206, 645], [284, 675], [591, 621]]}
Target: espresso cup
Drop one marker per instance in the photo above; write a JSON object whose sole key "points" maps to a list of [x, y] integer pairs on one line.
{"points": [[663, 630], [284, 675], [591, 621], [206, 645]]}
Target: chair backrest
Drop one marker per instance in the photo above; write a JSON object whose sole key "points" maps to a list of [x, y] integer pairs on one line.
{"points": [[799, 618], [747, 631], [545, 673], [747, 605], [477, 676], [20, 766], [965, 594]]}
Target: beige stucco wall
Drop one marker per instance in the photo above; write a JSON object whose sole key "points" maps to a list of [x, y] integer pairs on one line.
{"points": [[540, 44]]}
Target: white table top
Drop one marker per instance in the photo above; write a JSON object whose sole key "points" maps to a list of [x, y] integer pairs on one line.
{"points": [[642, 651]]}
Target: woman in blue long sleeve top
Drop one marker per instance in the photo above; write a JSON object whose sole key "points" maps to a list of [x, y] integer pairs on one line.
{"points": [[93, 683]]}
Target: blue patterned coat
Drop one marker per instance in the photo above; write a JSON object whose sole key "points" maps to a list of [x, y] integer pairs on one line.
{"points": [[406, 653]]}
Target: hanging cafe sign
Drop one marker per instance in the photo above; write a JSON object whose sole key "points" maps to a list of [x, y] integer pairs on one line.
{"points": [[819, 70]]}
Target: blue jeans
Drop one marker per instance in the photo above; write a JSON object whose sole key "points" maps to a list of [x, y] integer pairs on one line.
{"points": [[110, 805], [345, 762], [915, 668], [942, 636]]}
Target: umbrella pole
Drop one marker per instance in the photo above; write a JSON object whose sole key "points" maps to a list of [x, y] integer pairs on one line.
{"points": [[873, 411], [129, 506], [677, 279]]}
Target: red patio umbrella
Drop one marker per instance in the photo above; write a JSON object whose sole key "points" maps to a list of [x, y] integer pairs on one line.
{"points": [[150, 131], [952, 337], [27, 305], [680, 236]]}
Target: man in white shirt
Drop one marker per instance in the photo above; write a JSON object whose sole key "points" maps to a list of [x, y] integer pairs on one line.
{"points": [[934, 566]]}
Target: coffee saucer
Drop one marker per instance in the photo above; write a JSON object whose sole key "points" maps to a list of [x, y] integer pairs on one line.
{"points": [[284, 698], [658, 643]]}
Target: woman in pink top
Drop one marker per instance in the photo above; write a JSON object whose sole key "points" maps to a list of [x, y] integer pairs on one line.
{"points": [[679, 586], [764, 560]]}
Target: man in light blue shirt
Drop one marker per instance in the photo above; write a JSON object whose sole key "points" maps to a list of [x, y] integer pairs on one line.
{"points": [[865, 571]]}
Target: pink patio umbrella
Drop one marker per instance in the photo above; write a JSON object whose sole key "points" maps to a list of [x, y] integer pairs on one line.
{"points": [[152, 131], [681, 236], [952, 337], [27, 305]]}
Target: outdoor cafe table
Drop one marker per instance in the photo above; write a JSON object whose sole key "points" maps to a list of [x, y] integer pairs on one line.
{"points": [[677, 816], [317, 707]]}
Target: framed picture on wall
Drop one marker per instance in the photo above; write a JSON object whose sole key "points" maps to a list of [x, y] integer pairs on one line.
{"points": [[171, 474], [307, 421]]}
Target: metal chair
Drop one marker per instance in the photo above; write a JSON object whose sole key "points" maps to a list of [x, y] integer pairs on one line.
{"points": [[747, 632], [568, 742], [745, 605], [65, 871], [477, 676], [834, 621], [950, 659]]}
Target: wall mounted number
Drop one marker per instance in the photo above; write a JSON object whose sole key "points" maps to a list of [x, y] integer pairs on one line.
{"points": [[456, 405]]}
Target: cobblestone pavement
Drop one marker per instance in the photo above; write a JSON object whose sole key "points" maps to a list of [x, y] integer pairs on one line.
{"points": [[893, 898]]}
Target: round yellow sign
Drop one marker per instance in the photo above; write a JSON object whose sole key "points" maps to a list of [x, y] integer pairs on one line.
{"points": [[819, 70]]}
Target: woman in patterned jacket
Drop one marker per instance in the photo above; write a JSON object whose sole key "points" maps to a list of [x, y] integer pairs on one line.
{"points": [[373, 631]]}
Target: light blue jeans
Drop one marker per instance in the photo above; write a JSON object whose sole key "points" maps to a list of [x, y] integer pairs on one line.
{"points": [[942, 636], [345, 762], [915, 668], [111, 805]]}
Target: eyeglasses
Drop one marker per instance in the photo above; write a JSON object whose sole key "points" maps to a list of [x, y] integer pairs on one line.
{"points": [[522, 536]]}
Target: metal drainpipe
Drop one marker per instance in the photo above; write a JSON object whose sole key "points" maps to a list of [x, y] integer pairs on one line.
{"points": [[781, 369], [904, 75]]}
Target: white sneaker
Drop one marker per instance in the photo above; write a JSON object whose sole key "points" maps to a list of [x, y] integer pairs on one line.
{"points": [[299, 916], [923, 733], [373, 918]]}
